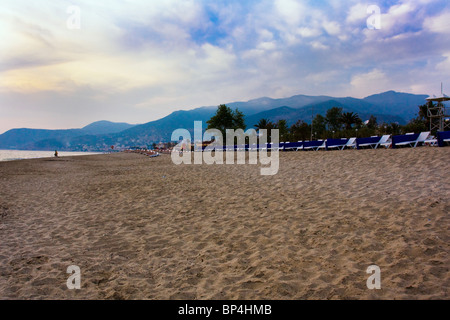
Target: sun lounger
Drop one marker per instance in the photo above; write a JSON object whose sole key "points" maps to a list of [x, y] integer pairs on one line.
{"points": [[322, 146], [229, 148], [293, 145], [385, 141], [411, 140], [351, 143], [443, 137], [365, 142], [277, 146], [314, 145], [336, 143], [264, 146], [372, 142]]}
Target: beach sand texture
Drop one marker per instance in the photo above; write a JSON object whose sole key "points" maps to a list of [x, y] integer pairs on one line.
{"points": [[144, 228]]}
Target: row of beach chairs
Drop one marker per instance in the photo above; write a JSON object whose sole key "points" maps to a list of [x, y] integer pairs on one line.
{"points": [[148, 153], [410, 140]]}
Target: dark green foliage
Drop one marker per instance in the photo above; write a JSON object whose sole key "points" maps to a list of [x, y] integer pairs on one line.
{"points": [[350, 118], [372, 124], [415, 125], [225, 119], [344, 125], [264, 124], [319, 127], [281, 125], [334, 118], [300, 131]]}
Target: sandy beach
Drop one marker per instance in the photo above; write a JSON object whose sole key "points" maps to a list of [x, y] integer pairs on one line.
{"points": [[144, 228]]}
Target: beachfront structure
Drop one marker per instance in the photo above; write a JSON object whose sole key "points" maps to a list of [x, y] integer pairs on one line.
{"points": [[438, 113]]}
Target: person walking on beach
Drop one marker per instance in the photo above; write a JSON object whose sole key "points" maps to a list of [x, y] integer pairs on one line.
{"points": [[56, 153]]}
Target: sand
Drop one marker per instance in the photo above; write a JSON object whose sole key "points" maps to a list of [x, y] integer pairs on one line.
{"points": [[144, 228]]}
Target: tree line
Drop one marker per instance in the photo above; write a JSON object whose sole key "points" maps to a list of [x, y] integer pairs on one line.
{"points": [[335, 124]]}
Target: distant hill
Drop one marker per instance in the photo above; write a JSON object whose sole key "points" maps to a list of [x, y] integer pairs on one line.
{"points": [[106, 127], [42, 139], [26, 138], [306, 113], [397, 103], [388, 107]]}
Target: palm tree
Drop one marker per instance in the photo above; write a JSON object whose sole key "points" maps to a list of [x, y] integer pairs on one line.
{"points": [[264, 124], [349, 118]]}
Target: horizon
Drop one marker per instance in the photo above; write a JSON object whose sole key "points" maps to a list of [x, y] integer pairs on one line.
{"points": [[194, 108], [65, 65]]}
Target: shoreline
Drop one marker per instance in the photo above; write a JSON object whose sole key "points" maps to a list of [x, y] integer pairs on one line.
{"points": [[144, 228], [51, 154]]}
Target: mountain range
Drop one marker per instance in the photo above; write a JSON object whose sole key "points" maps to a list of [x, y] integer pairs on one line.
{"points": [[388, 107]]}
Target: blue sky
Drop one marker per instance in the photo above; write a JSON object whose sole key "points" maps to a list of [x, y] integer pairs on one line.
{"points": [[137, 61]]}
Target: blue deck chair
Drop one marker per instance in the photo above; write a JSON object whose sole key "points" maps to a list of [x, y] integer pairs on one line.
{"points": [[372, 142], [314, 145], [411, 140], [351, 143], [293, 145], [443, 137], [336, 143]]}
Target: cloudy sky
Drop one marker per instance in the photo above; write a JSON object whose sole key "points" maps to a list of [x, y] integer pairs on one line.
{"points": [[65, 64]]}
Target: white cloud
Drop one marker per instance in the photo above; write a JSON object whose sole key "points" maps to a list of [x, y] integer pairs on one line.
{"points": [[306, 32], [332, 28], [265, 35], [319, 46], [364, 84], [267, 45], [357, 13], [291, 11], [397, 16], [136, 61], [439, 23], [444, 66]]}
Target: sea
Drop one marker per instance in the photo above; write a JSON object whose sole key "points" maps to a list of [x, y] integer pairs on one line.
{"points": [[11, 155]]}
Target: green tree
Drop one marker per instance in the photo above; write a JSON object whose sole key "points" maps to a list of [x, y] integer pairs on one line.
{"points": [[319, 126], [281, 125], [264, 124], [238, 120], [300, 131], [372, 124], [334, 118], [415, 125], [393, 129], [225, 119], [267, 125], [348, 119]]}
